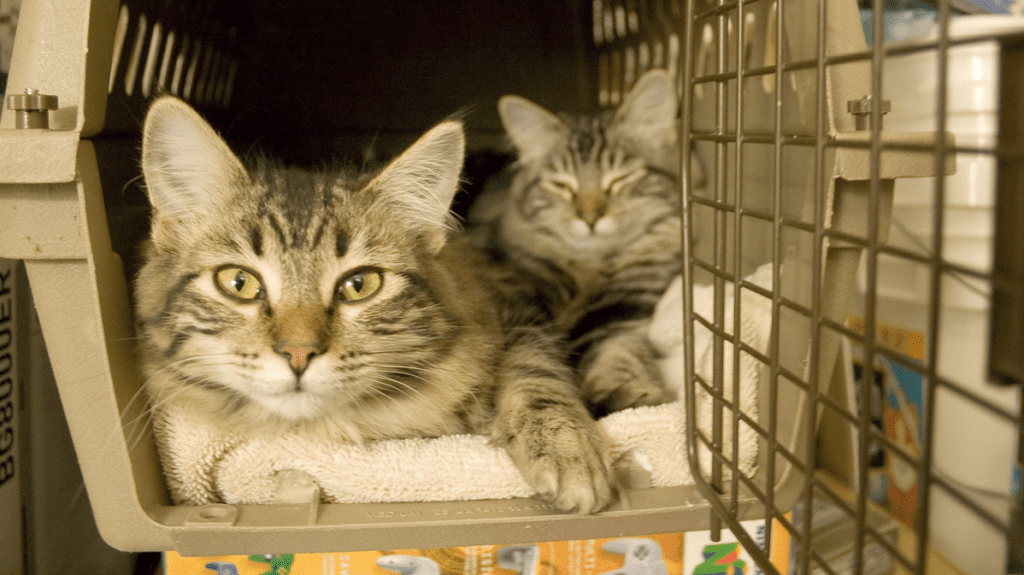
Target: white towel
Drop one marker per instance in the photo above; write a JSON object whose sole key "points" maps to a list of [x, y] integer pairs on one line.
{"points": [[202, 465], [755, 331]]}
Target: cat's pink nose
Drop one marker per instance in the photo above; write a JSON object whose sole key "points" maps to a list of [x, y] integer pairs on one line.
{"points": [[298, 356]]}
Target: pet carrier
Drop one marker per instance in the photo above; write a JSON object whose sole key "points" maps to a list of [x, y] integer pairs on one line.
{"points": [[780, 180], [102, 62]]}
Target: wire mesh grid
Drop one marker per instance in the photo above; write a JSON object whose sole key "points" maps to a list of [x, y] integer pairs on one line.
{"points": [[884, 276]]}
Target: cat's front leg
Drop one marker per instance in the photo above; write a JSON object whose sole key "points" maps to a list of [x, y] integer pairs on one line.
{"points": [[621, 371], [546, 428]]}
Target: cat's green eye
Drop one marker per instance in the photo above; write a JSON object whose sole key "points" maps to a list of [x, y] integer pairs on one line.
{"points": [[360, 285], [239, 283]]}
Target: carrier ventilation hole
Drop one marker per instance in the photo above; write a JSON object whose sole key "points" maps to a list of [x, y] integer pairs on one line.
{"points": [[615, 93], [202, 67], [151, 59], [609, 25], [216, 83], [190, 75], [179, 66], [602, 80], [122, 30], [597, 11], [133, 63], [215, 87], [630, 73], [658, 56], [633, 19], [173, 64], [620, 22], [213, 77], [165, 64], [204, 74], [230, 83]]}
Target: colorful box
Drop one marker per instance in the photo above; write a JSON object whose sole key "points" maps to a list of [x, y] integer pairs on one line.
{"points": [[692, 553]]}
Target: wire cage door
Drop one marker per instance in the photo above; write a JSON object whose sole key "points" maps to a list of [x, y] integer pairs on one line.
{"points": [[878, 410]]}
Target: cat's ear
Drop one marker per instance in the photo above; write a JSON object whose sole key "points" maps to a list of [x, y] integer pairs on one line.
{"points": [[423, 180], [189, 170], [648, 112], [533, 130]]}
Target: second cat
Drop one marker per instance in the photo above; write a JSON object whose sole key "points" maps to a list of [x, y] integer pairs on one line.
{"points": [[590, 214]]}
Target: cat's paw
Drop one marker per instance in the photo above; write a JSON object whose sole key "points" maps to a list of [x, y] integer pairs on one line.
{"points": [[605, 398], [617, 381], [567, 462]]}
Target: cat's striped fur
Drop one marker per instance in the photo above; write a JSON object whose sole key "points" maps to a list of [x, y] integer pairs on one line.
{"points": [[591, 212], [275, 299]]}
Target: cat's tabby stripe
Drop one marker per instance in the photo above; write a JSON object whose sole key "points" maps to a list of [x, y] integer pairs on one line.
{"points": [[340, 244], [256, 241]]}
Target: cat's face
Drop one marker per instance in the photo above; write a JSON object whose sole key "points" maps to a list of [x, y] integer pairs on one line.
{"points": [[591, 183], [284, 292]]}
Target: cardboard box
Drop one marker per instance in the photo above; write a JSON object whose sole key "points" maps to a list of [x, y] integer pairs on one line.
{"points": [[690, 553]]}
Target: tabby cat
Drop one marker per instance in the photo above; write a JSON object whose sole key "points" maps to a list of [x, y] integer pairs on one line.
{"points": [[591, 213], [276, 299]]}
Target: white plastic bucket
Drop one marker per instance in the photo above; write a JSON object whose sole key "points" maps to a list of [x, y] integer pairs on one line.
{"points": [[972, 448]]}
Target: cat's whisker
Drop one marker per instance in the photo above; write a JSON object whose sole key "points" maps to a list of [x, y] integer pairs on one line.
{"points": [[395, 385], [146, 419], [76, 499], [130, 182], [131, 427], [377, 388], [374, 391], [168, 367], [147, 415], [135, 429]]}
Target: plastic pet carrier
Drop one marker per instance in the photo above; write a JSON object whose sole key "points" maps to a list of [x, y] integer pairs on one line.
{"points": [[791, 178]]}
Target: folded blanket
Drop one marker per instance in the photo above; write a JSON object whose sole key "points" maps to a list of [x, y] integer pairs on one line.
{"points": [[202, 465]]}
